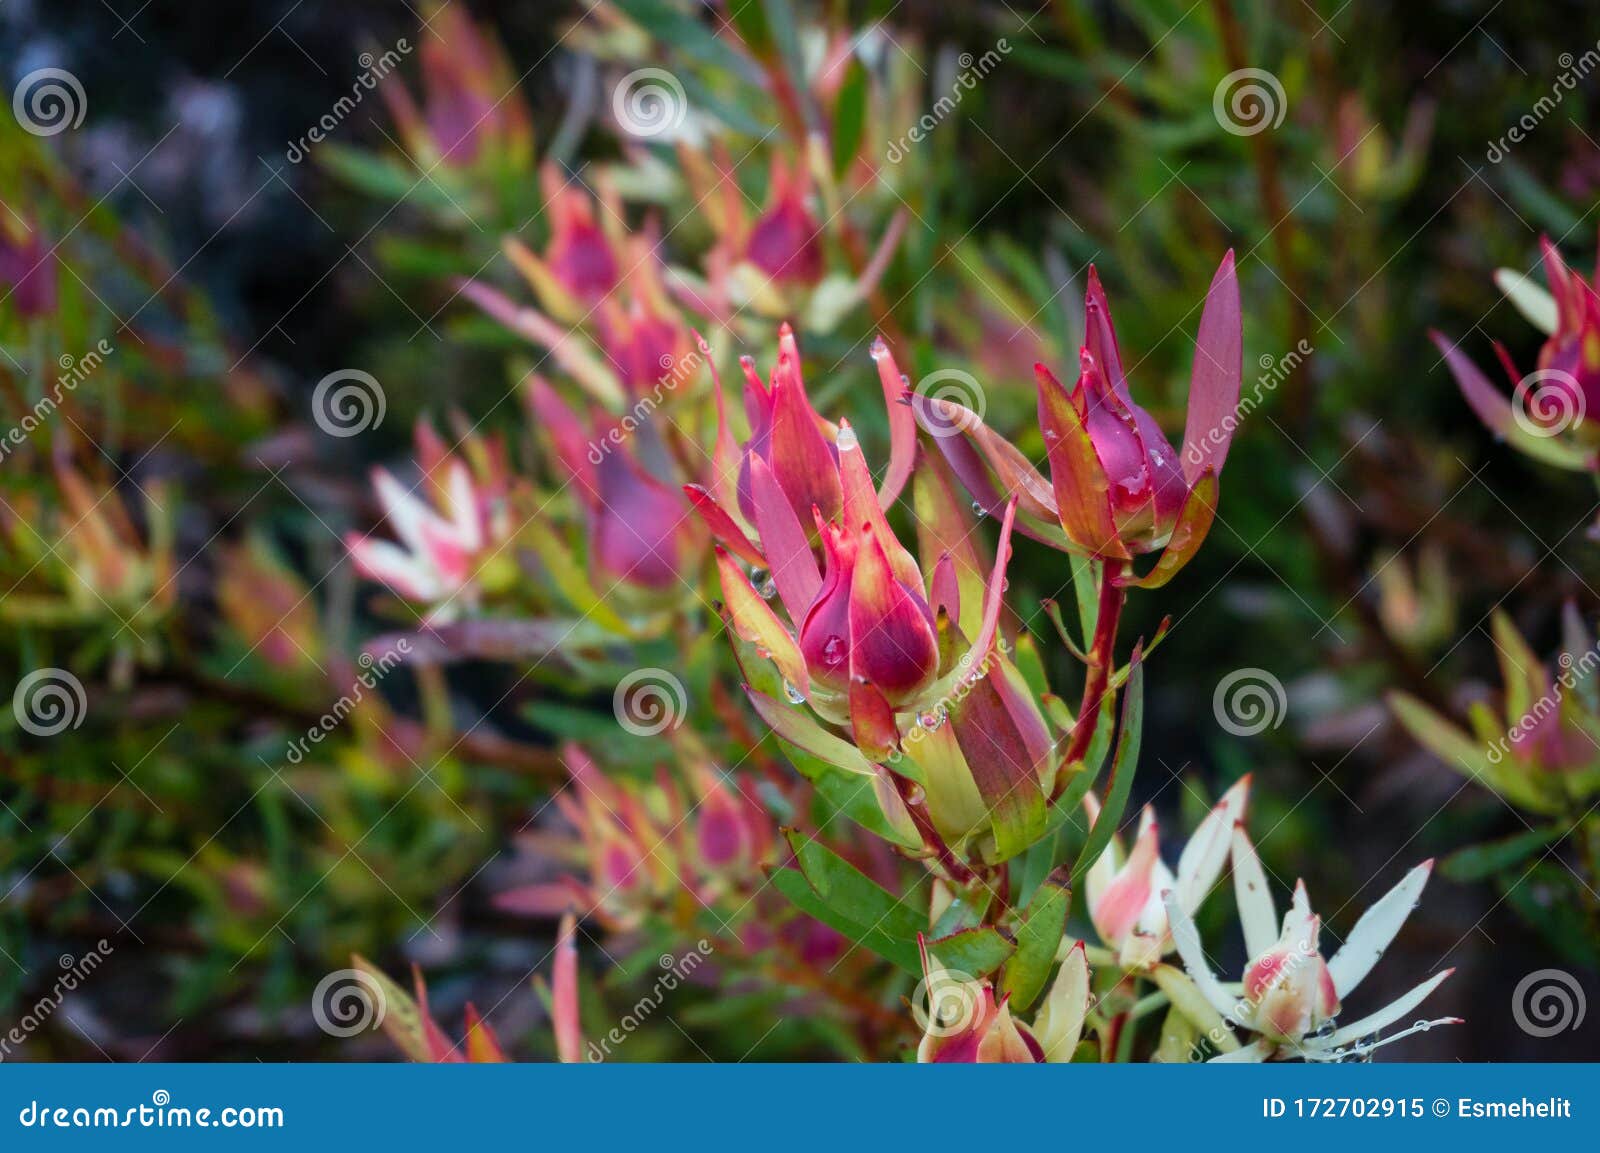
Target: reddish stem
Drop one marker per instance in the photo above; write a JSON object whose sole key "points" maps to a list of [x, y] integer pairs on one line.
{"points": [[1102, 659]]}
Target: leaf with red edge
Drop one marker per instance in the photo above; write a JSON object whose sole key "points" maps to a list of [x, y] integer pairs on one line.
{"points": [[401, 1019], [1082, 490], [753, 619], [1188, 534], [1214, 381], [1494, 409], [800, 730], [483, 1047], [902, 426], [722, 526], [790, 561]]}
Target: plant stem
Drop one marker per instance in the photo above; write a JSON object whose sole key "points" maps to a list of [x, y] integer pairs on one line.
{"points": [[1102, 660]]}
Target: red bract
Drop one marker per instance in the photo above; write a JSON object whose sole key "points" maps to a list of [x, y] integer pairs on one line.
{"points": [[27, 270], [1546, 416], [642, 539], [1573, 350], [768, 487], [1117, 488], [785, 242], [580, 256], [471, 109]]}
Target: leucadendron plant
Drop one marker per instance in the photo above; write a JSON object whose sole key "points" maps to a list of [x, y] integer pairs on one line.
{"points": [[869, 793]]}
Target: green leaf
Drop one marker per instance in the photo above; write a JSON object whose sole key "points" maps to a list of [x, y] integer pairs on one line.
{"points": [[1547, 898], [749, 19], [672, 27], [1123, 765], [793, 884], [976, 952], [1043, 922], [849, 115], [401, 1018], [1530, 299], [1477, 862], [852, 894], [849, 793]]}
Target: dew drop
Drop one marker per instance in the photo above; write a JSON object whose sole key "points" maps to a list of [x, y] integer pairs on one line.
{"points": [[833, 651], [796, 697]]}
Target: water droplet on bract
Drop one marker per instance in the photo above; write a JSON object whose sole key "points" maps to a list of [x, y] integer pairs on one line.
{"points": [[979, 510], [879, 348], [767, 589], [833, 651], [796, 697], [758, 575], [847, 439]]}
